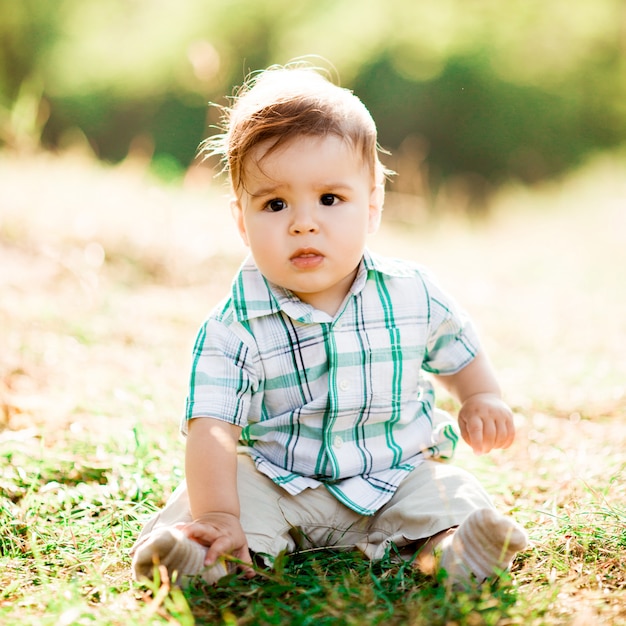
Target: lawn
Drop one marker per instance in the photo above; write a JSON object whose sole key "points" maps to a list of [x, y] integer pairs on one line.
{"points": [[105, 275]]}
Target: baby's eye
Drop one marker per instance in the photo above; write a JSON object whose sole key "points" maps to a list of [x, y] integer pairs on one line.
{"points": [[328, 199], [275, 205]]}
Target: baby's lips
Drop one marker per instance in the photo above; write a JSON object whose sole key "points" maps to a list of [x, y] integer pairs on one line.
{"points": [[305, 253]]}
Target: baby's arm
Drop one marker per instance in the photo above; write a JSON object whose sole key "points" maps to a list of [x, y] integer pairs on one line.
{"points": [[211, 475], [485, 420]]}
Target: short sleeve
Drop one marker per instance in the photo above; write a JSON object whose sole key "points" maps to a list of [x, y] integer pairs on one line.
{"points": [[223, 375], [452, 338]]}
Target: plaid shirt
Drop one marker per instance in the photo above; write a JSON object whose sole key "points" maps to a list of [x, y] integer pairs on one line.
{"points": [[339, 401]]}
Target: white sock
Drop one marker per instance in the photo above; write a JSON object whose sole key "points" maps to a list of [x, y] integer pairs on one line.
{"points": [[483, 545], [171, 548]]}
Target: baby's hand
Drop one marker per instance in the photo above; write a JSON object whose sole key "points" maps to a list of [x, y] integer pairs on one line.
{"points": [[486, 423], [222, 534]]}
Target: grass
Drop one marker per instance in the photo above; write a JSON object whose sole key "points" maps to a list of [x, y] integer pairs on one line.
{"points": [[104, 277]]}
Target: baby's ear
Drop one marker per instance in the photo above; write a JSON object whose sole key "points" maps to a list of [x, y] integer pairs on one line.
{"points": [[377, 200], [237, 213]]}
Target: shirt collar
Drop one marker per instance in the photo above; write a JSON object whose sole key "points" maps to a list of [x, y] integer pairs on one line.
{"points": [[254, 296]]}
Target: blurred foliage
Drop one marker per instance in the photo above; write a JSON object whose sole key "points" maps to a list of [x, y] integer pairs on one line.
{"points": [[473, 91]]}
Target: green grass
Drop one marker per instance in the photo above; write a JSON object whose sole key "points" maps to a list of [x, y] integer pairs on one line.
{"points": [[70, 512], [94, 359]]}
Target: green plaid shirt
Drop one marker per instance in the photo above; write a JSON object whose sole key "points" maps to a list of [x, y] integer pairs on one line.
{"points": [[339, 401]]}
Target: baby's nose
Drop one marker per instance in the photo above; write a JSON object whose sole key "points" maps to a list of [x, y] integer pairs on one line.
{"points": [[303, 222]]}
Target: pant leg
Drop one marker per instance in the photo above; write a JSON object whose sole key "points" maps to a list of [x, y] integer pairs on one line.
{"points": [[276, 521], [434, 497], [262, 520], [272, 520]]}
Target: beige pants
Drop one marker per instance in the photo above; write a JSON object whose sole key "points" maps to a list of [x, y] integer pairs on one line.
{"points": [[432, 498]]}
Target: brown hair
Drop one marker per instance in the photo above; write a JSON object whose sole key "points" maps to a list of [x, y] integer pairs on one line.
{"points": [[283, 102]]}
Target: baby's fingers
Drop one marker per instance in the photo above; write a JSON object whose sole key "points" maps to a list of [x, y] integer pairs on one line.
{"points": [[490, 436], [492, 433], [472, 431], [505, 433], [244, 556], [221, 546]]}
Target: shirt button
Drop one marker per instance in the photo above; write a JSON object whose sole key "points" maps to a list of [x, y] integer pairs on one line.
{"points": [[344, 384], [337, 441]]}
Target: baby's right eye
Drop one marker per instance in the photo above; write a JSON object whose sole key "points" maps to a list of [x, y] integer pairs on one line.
{"points": [[275, 205]]}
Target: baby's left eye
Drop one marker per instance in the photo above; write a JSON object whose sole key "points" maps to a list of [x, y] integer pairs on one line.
{"points": [[328, 199]]}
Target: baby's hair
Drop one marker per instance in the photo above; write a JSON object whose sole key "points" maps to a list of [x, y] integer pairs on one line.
{"points": [[283, 102]]}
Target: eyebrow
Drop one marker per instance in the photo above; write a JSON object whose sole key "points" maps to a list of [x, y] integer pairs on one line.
{"points": [[263, 191], [272, 189]]}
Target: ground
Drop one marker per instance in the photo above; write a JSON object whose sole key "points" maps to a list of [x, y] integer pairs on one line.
{"points": [[105, 274]]}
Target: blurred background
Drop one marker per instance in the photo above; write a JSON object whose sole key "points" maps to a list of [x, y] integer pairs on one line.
{"points": [[467, 94], [506, 124]]}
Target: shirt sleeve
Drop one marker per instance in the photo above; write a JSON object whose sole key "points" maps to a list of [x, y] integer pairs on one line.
{"points": [[223, 376], [452, 338]]}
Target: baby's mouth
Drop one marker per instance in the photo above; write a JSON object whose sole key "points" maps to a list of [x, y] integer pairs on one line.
{"points": [[306, 258]]}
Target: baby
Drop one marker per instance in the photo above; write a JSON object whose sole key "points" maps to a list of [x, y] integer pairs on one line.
{"points": [[309, 420]]}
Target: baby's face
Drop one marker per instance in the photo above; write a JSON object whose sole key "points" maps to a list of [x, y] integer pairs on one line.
{"points": [[305, 211]]}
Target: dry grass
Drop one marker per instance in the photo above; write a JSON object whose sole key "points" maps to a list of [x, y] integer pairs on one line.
{"points": [[104, 277]]}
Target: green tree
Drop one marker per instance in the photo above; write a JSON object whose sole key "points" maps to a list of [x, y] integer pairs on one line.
{"points": [[485, 89]]}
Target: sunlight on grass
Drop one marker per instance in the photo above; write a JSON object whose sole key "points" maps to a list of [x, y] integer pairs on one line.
{"points": [[105, 276]]}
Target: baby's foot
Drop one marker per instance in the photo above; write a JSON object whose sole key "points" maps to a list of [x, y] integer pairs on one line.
{"points": [[483, 545], [171, 548]]}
